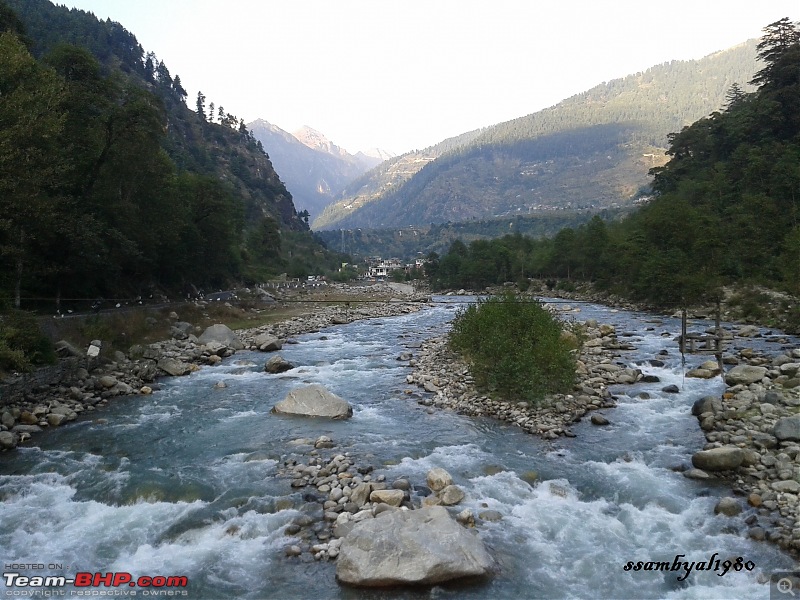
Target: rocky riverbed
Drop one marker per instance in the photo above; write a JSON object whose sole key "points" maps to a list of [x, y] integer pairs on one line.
{"points": [[27, 411], [753, 434]]}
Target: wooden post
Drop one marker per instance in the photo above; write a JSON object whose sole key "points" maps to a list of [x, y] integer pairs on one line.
{"points": [[718, 332], [683, 331]]}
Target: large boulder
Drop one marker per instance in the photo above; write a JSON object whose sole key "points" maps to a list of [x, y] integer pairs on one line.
{"points": [[745, 375], [314, 401], [222, 334], [267, 343], [174, 367], [718, 459], [278, 364], [415, 547]]}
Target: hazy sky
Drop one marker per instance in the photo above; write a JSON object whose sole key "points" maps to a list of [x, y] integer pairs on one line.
{"points": [[405, 74]]}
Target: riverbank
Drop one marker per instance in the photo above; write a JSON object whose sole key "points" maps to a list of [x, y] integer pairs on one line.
{"points": [[89, 379], [753, 435], [752, 429]]}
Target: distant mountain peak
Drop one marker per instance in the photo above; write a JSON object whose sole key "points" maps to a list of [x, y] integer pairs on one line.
{"points": [[318, 141]]}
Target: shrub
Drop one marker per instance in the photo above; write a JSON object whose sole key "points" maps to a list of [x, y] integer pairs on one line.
{"points": [[22, 343], [515, 347]]}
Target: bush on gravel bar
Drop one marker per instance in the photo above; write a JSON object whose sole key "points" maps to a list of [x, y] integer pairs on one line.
{"points": [[516, 348]]}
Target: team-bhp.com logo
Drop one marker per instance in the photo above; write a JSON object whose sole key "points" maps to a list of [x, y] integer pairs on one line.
{"points": [[157, 585]]}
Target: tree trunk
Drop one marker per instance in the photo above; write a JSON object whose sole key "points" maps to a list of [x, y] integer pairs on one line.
{"points": [[18, 274]]}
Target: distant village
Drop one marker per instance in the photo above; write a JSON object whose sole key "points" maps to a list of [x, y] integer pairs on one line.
{"points": [[380, 268]]}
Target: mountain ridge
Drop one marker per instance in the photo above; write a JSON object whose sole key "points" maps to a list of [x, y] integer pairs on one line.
{"points": [[593, 149], [313, 168]]}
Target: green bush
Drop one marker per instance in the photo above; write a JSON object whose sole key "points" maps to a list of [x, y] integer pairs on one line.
{"points": [[516, 348], [22, 343]]}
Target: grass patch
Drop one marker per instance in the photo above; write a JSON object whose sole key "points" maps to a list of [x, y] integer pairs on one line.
{"points": [[23, 344]]}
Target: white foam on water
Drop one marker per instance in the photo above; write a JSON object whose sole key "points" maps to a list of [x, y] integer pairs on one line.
{"points": [[454, 459], [41, 518], [244, 414], [368, 414], [236, 553], [568, 546]]}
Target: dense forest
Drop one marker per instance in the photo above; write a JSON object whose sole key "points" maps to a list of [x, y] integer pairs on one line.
{"points": [[111, 186], [409, 243], [590, 151], [726, 207]]}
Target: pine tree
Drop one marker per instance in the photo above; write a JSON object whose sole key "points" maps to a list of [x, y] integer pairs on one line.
{"points": [[201, 106]]}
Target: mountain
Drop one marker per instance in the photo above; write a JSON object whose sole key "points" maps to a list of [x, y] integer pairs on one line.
{"points": [[313, 168], [590, 151]]}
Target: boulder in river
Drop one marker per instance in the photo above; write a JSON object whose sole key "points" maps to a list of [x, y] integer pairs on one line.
{"points": [[415, 547], [268, 343], [718, 459], [438, 479], [314, 401], [222, 334], [278, 364]]}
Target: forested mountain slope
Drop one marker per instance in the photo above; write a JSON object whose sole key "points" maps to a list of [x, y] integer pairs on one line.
{"points": [[725, 209], [109, 184], [592, 150]]}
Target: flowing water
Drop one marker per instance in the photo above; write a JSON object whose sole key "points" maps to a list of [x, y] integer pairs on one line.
{"points": [[183, 482]]}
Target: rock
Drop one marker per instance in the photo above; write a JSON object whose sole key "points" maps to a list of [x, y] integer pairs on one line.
{"points": [[7, 440], [278, 364], [222, 334], [360, 494], [747, 331], [490, 515], [451, 495], [215, 349], [415, 547], [728, 507], [718, 459], [698, 474], [745, 375], [314, 401], [174, 367], [145, 390], [706, 404], [754, 500], [788, 485], [28, 418], [438, 479], [93, 351], [671, 389], [7, 419], [55, 419], [701, 373], [107, 381], [267, 343], [390, 497], [787, 429], [599, 420]]}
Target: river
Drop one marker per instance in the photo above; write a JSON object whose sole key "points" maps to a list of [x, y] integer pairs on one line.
{"points": [[184, 482]]}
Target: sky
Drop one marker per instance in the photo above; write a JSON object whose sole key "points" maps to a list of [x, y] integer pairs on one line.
{"points": [[405, 74]]}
